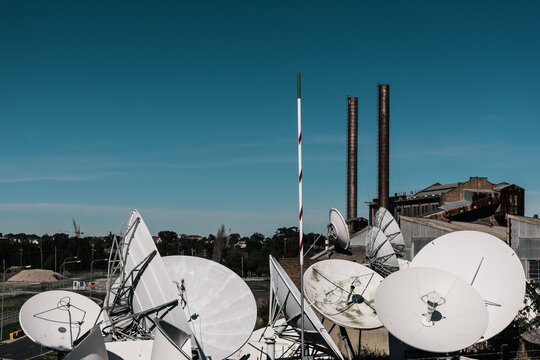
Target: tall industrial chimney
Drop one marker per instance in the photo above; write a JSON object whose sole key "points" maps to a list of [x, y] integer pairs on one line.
{"points": [[384, 144], [352, 156]]}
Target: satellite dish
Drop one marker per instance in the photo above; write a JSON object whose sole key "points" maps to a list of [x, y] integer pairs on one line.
{"points": [[431, 309], [344, 292], [219, 305], [56, 319], [380, 253], [386, 222], [144, 267], [255, 348], [168, 342], [128, 350], [487, 264], [288, 298], [532, 336], [403, 264], [92, 347], [338, 229]]}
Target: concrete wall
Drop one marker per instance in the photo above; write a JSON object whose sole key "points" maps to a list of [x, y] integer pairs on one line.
{"points": [[525, 240], [416, 235]]}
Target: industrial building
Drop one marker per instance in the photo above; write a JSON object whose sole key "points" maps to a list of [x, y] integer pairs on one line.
{"points": [[524, 238], [467, 201]]}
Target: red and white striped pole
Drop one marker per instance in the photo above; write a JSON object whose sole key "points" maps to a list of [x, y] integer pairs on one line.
{"points": [[301, 210]]}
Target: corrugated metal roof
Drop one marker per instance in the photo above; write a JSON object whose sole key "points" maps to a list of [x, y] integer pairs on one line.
{"points": [[498, 231], [454, 204], [437, 189], [526, 219]]}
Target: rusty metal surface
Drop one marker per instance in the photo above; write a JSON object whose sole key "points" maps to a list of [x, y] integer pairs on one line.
{"points": [[352, 156], [384, 145]]}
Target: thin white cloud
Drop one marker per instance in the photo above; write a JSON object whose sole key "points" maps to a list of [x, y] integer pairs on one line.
{"points": [[60, 207]]}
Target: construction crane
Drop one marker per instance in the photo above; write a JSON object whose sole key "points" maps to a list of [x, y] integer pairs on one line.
{"points": [[77, 229]]}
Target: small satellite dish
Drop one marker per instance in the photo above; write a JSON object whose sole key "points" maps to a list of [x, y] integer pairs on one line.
{"points": [[338, 229], [403, 264], [344, 292], [532, 336], [219, 305], [288, 298], [56, 319], [487, 264], [168, 342], [92, 347], [431, 309], [386, 222], [128, 350], [380, 253]]}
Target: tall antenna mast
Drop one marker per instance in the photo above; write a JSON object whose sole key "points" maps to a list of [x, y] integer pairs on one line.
{"points": [[301, 209]]}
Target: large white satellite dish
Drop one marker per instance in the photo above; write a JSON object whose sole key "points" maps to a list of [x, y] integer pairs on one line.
{"points": [[92, 347], [168, 342], [386, 222], [288, 298], [219, 305], [338, 229], [56, 319], [380, 253], [344, 292], [431, 309], [145, 275], [486, 263]]}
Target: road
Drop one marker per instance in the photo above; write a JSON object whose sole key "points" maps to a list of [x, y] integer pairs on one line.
{"points": [[21, 349]]}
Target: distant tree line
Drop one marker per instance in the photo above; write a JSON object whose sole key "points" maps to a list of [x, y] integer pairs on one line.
{"points": [[244, 255], [50, 251]]}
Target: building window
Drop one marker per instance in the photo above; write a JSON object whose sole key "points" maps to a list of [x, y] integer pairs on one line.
{"points": [[534, 271]]}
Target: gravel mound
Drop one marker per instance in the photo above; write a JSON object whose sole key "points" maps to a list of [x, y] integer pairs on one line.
{"points": [[36, 276]]}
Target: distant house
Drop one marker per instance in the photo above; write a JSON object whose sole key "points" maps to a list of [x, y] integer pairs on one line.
{"points": [[157, 239], [193, 237], [241, 244]]}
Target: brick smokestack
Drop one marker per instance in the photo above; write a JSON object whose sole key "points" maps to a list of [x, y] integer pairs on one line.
{"points": [[352, 156], [384, 145]]}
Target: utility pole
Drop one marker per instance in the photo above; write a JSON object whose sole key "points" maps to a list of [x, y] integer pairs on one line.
{"points": [[41, 252], [20, 250], [55, 258]]}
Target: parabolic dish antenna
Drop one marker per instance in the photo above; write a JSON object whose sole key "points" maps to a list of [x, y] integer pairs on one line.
{"points": [[288, 298], [344, 292], [256, 347], [144, 268], [219, 305], [403, 264], [532, 336], [56, 319], [386, 222], [168, 342], [92, 347], [380, 253], [431, 309], [339, 230], [487, 264]]}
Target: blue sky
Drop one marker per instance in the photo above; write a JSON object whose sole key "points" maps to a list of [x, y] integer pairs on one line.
{"points": [[186, 111]]}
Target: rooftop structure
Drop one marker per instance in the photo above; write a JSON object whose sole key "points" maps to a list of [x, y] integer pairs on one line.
{"points": [[468, 201]]}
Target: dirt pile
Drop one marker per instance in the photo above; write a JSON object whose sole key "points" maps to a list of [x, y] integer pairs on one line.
{"points": [[36, 276]]}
